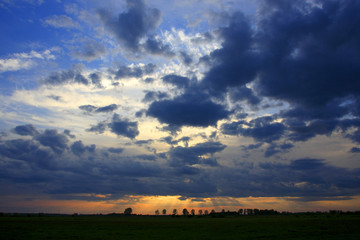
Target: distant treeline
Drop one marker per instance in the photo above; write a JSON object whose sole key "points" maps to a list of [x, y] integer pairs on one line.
{"points": [[192, 213]]}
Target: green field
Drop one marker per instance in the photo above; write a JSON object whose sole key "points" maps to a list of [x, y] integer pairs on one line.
{"points": [[184, 228]]}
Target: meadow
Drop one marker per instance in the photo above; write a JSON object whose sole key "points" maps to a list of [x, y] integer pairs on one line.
{"points": [[184, 228]]}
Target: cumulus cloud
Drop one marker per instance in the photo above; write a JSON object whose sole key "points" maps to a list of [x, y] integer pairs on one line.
{"points": [[26, 130], [190, 109], [19, 61], [123, 127], [132, 25]]}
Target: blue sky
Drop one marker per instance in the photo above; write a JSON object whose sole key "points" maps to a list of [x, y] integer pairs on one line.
{"points": [[203, 104]]}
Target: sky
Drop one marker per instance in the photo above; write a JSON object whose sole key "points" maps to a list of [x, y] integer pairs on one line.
{"points": [[202, 104]]}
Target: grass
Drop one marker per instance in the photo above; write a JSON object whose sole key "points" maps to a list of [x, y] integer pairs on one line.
{"points": [[142, 227]]}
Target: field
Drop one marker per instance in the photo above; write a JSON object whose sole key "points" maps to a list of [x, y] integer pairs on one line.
{"points": [[184, 228]]}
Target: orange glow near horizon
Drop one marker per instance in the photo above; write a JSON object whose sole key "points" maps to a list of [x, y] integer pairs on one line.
{"points": [[149, 204]]}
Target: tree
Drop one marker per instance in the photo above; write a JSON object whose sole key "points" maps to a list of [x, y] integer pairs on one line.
{"points": [[200, 212], [174, 211], [164, 211], [157, 212], [206, 212], [128, 211], [185, 212], [212, 211], [192, 212]]}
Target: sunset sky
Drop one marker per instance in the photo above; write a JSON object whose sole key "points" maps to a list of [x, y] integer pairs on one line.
{"points": [[203, 104]]}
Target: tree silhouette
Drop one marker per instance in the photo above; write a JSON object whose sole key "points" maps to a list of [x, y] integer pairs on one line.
{"points": [[206, 212], [164, 211], [200, 212], [157, 212], [174, 211], [185, 212], [128, 211], [192, 212]]}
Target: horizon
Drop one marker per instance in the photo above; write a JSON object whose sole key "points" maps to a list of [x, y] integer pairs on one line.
{"points": [[207, 105]]}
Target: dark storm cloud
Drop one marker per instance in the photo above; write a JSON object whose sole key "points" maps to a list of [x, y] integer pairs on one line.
{"points": [[26, 130], [123, 127], [176, 80], [137, 72], [151, 96], [355, 150], [193, 109], [67, 132], [51, 138], [105, 109], [262, 129], [90, 51], [132, 25]]}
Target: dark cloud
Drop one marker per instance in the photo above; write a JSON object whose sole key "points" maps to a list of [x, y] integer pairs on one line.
{"points": [[176, 80], [186, 58], [244, 94], [188, 110], [151, 96], [55, 97], [146, 157], [157, 47], [98, 128], [78, 148], [123, 127], [90, 51], [88, 108], [105, 109], [116, 150], [137, 72], [51, 138], [273, 149], [180, 156], [355, 150], [132, 25], [26, 130], [108, 108], [262, 129], [67, 132], [96, 79], [142, 142]]}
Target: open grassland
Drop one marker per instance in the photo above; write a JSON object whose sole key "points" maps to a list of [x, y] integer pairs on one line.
{"points": [[184, 228]]}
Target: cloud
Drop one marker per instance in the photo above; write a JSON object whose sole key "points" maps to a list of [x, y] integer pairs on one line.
{"points": [[132, 25], [178, 81], [157, 47], [90, 51], [51, 138], [78, 148], [19, 61], [190, 109], [26, 130], [94, 109], [151, 96], [180, 156], [61, 21], [123, 127], [137, 72], [262, 129], [65, 77]]}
